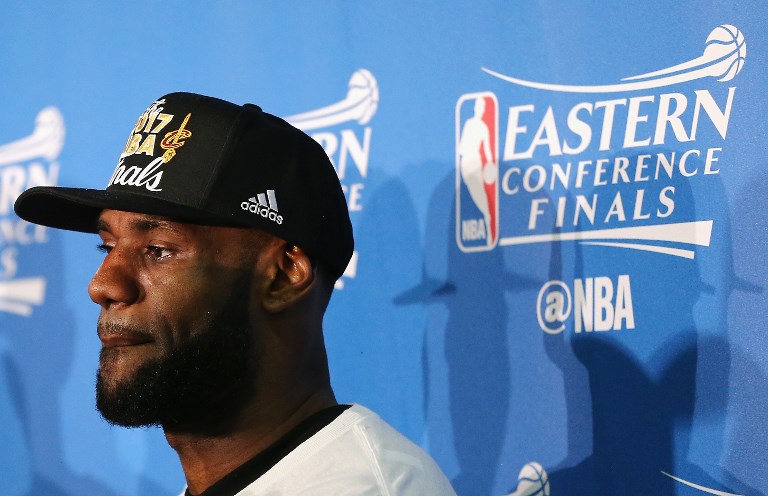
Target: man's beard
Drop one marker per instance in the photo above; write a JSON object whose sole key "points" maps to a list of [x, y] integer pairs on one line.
{"points": [[199, 385]]}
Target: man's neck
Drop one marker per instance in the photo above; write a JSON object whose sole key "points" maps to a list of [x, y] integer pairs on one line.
{"points": [[205, 459]]}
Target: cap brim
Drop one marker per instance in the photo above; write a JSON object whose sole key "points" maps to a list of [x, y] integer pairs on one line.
{"points": [[78, 209]]}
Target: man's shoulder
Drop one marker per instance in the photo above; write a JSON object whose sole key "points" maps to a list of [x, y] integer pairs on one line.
{"points": [[358, 453], [384, 441]]}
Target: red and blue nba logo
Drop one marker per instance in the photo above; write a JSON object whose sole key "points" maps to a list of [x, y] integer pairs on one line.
{"points": [[477, 171]]}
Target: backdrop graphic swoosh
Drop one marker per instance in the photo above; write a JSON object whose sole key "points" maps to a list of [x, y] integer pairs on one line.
{"points": [[724, 55], [699, 487]]}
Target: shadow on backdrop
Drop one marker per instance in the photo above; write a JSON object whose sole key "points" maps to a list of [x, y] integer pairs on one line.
{"points": [[745, 449], [382, 346], [643, 385], [474, 344]]}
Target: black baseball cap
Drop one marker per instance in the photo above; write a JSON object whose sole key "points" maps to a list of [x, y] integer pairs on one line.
{"points": [[203, 160]]}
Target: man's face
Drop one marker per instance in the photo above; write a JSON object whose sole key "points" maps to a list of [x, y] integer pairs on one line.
{"points": [[175, 323]]}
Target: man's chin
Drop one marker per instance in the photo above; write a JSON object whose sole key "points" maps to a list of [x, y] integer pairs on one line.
{"points": [[110, 387], [120, 365], [109, 381], [124, 396]]}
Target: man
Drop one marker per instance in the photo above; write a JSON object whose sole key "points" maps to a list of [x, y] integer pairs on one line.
{"points": [[224, 230]]}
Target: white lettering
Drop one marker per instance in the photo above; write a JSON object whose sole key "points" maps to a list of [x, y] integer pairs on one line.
{"points": [[617, 209], [608, 115], [582, 296], [603, 309], [633, 119], [624, 309], [639, 215], [536, 211], [718, 117], [472, 229], [665, 197], [640, 167], [148, 177], [351, 147], [673, 119], [595, 309], [8, 263], [513, 129], [12, 181], [683, 159], [581, 128], [671, 112], [546, 135], [505, 181], [711, 159], [541, 178], [587, 208]]}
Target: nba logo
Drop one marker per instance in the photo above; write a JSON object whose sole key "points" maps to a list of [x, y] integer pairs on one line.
{"points": [[477, 171]]}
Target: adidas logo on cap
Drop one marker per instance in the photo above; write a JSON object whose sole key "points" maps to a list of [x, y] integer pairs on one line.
{"points": [[264, 205]]}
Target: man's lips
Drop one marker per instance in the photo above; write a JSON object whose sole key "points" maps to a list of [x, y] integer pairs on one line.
{"points": [[117, 340], [114, 336]]}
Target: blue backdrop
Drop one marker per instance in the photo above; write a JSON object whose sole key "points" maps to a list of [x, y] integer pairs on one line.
{"points": [[559, 208]]}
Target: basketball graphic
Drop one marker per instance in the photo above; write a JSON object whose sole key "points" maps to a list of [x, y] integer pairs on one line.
{"points": [[532, 481], [359, 105], [726, 41], [364, 88]]}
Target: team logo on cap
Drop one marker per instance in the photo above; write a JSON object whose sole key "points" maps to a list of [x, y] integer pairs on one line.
{"points": [[173, 140], [142, 142]]}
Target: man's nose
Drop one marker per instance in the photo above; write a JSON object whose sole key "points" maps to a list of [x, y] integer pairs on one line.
{"points": [[115, 283]]}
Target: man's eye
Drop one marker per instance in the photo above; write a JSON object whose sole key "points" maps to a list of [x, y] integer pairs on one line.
{"points": [[104, 248], [159, 252]]}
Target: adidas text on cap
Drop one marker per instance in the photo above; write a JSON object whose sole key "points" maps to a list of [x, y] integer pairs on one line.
{"points": [[203, 160]]}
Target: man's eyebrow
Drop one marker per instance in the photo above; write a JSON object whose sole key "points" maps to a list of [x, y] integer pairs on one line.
{"points": [[142, 225]]}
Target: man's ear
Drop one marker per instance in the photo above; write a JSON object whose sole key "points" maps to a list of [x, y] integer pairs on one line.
{"points": [[293, 279]]}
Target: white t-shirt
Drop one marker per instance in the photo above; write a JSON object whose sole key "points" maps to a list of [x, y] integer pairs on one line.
{"points": [[357, 454]]}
